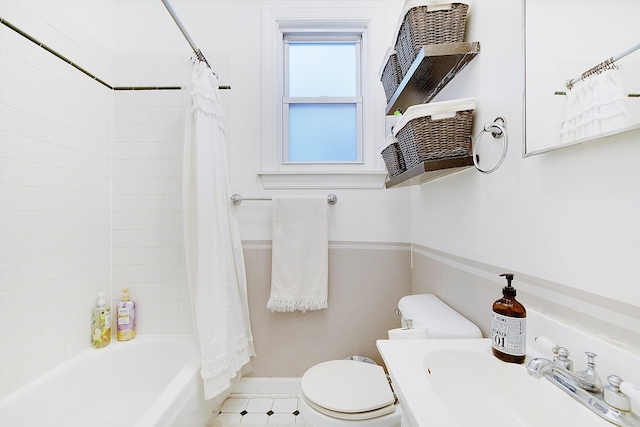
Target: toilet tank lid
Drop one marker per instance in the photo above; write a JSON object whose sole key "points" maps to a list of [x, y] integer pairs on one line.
{"points": [[429, 311]]}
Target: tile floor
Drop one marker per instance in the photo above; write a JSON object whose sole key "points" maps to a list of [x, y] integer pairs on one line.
{"points": [[260, 409]]}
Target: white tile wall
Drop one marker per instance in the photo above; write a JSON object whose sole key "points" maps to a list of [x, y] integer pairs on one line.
{"points": [[55, 203], [89, 194], [148, 253]]}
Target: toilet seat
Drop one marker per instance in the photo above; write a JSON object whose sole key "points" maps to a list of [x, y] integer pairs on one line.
{"points": [[355, 416], [348, 390]]}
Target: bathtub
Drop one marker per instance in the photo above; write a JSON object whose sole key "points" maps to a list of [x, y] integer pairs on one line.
{"points": [[149, 381]]}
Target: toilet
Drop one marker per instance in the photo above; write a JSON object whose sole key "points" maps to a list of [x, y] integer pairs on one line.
{"points": [[350, 393]]}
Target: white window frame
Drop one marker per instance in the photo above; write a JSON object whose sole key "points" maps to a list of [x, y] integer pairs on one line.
{"points": [[369, 171]]}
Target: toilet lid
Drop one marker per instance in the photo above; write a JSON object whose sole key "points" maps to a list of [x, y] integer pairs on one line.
{"points": [[348, 387]]}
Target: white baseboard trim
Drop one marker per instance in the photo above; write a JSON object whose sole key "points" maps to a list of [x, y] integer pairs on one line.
{"points": [[267, 385]]}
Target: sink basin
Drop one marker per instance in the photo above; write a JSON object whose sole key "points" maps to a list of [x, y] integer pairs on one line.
{"points": [[488, 387], [460, 383]]}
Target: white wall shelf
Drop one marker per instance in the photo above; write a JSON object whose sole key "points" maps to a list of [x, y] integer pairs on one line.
{"points": [[430, 170]]}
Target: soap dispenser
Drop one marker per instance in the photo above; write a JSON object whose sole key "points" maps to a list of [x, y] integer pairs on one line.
{"points": [[101, 323], [509, 326], [126, 310]]}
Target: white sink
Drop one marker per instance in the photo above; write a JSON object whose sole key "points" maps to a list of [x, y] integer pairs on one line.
{"points": [[460, 383]]}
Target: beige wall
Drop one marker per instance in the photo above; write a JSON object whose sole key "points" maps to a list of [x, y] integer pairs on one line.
{"points": [[365, 284], [367, 280], [471, 287]]}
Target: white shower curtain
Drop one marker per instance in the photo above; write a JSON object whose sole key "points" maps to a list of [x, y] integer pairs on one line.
{"points": [[215, 264]]}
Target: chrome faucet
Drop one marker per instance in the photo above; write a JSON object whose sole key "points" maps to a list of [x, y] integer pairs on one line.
{"points": [[585, 386], [562, 366]]}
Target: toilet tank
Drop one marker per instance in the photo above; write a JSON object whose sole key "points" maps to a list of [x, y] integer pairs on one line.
{"points": [[433, 319]]}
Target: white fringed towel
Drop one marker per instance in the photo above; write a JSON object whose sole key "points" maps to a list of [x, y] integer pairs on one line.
{"points": [[300, 254]]}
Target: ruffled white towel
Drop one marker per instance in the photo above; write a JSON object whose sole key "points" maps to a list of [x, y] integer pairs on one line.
{"points": [[300, 254], [595, 105]]}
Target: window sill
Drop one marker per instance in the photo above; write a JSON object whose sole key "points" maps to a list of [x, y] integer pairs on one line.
{"points": [[323, 179]]}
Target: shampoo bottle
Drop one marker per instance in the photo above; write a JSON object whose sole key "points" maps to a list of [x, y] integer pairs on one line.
{"points": [[509, 326], [101, 323], [126, 317]]}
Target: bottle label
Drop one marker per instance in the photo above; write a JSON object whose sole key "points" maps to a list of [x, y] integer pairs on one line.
{"points": [[123, 316], [509, 334], [107, 319]]}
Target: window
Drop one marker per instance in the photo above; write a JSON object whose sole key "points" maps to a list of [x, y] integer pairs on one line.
{"points": [[322, 101]]}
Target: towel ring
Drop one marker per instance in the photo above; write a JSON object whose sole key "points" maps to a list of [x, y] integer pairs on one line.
{"points": [[497, 131]]}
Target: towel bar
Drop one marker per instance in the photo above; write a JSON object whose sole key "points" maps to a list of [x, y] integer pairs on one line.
{"points": [[332, 199]]}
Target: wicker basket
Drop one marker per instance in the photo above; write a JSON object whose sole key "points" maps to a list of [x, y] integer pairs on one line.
{"points": [[392, 156], [391, 75], [427, 25], [427, 138]]}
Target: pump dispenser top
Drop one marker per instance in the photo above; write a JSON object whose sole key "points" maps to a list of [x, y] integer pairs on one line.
{"points": [[509, 325], [508, 290]]}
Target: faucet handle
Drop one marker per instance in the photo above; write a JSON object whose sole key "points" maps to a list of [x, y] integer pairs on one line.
{"points": [[562, 356], [614, 397], [546, 343], [590, 359]]}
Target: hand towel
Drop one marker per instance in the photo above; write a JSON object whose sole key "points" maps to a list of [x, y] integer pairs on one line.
{"points": [[300, 254]]}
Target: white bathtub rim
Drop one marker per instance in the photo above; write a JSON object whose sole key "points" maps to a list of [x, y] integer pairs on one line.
{"points": [[69, 364], [155, 414]]}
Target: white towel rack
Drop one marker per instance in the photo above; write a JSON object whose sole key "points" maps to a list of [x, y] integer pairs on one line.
{"points": [[332, 199]]}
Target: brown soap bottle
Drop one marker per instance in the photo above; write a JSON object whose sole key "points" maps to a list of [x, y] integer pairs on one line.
{"points": [[509, 326]]}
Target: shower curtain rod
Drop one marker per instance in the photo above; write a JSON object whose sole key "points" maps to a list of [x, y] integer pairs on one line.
{"points": [[601, 65], [197, 51], [186, 35]]}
